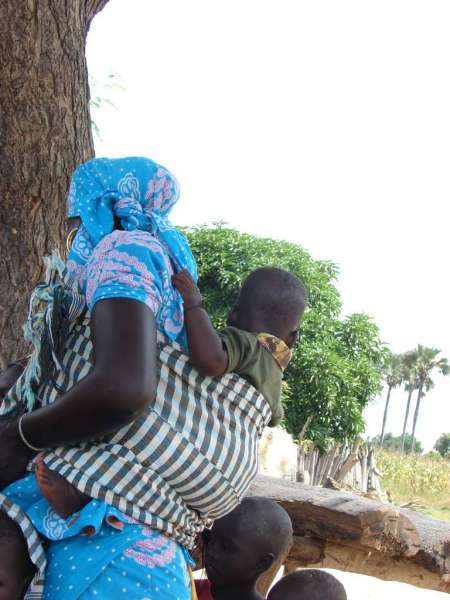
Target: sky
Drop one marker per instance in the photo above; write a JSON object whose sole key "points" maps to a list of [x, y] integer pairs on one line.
{"points": [[323, 123]]}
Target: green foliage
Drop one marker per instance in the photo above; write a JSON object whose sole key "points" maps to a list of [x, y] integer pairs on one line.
{"points": [[428, 361], [394, 369], [335, 371], [394, 443], [442, 445]]}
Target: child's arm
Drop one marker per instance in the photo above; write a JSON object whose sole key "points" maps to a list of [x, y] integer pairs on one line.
{"points": [[206, 351]]}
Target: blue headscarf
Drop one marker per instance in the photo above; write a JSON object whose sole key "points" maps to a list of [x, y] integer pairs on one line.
{"points": [[134, 195], [138, 193]]}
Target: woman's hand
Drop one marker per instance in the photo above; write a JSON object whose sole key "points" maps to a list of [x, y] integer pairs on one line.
{"points": [[190, 293], [14, 455]]}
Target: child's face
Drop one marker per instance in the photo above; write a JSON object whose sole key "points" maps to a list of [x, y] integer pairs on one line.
{"points": [[229, 555]]}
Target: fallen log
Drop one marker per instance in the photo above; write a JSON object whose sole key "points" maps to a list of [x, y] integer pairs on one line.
{"points": [[339, 530]]}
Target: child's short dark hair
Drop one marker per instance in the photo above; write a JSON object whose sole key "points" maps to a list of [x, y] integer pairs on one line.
{"points": [[308, 584], [270, 293]]}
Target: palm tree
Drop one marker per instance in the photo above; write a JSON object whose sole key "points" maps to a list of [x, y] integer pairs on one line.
{"points": [[410, 376], [427, 361], [393, 376], [410, 386]]}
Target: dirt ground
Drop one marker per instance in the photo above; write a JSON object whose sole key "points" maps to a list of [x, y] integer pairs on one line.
{"points": [[363, 587]]}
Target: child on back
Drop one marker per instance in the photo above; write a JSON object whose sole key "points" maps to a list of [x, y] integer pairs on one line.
{"points": [[241, 546], [256, 345], [308, 584], [263, 327]]}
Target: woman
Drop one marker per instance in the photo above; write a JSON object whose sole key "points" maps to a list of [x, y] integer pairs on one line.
{"points": [[161, 451]]}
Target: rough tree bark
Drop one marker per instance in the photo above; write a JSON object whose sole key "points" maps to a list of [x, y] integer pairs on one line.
{"points": [[45, 132]]}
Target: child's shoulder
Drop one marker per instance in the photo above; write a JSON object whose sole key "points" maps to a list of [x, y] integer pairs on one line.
{"points": [[235, 339], [279, 350], [259, 347], [232, 331]]}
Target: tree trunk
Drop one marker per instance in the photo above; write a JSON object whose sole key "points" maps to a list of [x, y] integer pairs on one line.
{"points": [[45, 132], [405, 424], [416, 416], [386, 406]]}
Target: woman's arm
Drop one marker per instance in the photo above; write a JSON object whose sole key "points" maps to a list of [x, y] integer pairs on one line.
{"points": [[206, 351], [119, 387]]}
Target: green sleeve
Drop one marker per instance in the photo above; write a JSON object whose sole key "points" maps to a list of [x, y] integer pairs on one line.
{"points": [[237, 347]]}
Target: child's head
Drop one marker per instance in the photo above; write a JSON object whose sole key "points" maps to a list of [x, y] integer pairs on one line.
{"points": [[271, 300], [308, 584], [16, 568], [245, 543]]}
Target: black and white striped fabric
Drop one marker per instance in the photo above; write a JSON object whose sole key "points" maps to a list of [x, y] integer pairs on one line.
{"points": [[185, 462]]}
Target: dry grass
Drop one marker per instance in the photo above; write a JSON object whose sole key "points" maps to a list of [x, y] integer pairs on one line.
{"points": [[424, 480]]}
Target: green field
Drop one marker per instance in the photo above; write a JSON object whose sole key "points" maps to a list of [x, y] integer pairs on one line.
{"points": [[424, 480]]}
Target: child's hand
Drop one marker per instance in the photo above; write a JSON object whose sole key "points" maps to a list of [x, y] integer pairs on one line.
{"points": [[190, 293]]}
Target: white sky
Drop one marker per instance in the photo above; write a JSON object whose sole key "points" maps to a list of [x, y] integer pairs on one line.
{"points": [[325, 123]]}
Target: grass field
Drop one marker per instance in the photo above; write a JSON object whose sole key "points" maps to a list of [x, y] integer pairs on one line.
{"points": [[424, 480]]}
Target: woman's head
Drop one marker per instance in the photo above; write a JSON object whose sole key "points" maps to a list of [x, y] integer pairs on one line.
{"points": [[130, 194], [245, 543], [128, 191]]}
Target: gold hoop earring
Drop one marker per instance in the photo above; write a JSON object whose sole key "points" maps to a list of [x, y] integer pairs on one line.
{"points": [[70, 237]]}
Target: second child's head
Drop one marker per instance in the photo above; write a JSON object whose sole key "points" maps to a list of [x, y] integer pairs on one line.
{"points": [[272, 301], [308, 584], [246, 542]]}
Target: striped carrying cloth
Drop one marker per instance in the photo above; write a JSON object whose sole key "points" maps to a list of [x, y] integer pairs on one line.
{"points": [[188, 460]]}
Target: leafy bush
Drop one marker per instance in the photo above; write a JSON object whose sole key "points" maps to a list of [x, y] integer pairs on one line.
{"points": [[442, 445]]}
